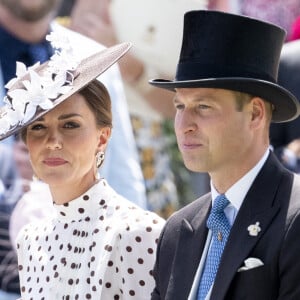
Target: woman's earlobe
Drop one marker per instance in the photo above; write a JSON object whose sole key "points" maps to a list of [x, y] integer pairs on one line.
{"points": [[104, 136]]}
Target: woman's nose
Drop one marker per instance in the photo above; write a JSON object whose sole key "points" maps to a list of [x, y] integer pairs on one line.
{"points": [[54, 142]]}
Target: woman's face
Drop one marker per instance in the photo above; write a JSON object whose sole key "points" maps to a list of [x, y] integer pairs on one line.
{"points": [[63, 143]]}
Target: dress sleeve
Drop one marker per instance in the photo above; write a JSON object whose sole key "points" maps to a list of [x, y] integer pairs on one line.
{"points": [[138, 245]]}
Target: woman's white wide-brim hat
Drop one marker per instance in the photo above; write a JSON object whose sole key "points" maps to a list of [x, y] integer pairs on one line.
{"points": [[87, 70]]}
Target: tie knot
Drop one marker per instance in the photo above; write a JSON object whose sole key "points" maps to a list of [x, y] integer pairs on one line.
{"points": [[217, 219], [220, 203]]}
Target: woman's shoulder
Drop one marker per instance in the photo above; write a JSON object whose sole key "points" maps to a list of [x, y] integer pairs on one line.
{"points": [[135, 214], [134, 217]]}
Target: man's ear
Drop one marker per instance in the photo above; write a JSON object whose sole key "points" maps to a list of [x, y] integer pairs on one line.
{"points": [[258, 110]]}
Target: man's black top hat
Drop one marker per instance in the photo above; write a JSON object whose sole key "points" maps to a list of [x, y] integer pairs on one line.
{"points": [[228, 51]]}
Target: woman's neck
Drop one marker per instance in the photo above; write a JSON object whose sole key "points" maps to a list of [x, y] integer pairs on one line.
{"points": [[62, 194]]}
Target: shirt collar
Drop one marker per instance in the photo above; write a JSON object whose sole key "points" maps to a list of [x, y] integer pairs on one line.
{"points": [[237, 192]]}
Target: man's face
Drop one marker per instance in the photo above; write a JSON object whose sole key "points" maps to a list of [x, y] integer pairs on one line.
{"points": [[30, 10], [211, 134]]}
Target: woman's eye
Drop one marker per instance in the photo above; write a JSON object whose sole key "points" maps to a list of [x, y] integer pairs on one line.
{"points": [[71, 125], [36, 127]]}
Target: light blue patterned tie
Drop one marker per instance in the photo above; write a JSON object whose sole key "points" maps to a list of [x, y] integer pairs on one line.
{"points": [[220, 228]]}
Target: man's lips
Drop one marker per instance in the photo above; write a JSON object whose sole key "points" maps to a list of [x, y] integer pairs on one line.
{"points": [[54, 161], [190, 145]]}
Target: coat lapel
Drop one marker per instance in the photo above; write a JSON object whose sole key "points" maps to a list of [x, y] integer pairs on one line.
{"points": [[189, 249], [259, 206]]}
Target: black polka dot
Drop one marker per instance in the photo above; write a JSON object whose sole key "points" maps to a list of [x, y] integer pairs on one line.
{"points": [[150, 251], [140, 261], [142, 283], [110, 263]]}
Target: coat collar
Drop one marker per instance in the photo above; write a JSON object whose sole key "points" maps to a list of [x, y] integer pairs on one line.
{"points": [[188, 252]]}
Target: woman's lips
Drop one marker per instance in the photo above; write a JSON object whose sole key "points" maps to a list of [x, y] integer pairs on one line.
{"points": [[55, 161]]}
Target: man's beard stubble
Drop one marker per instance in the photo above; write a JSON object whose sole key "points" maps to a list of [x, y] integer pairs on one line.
{"points": [[30, 14]]}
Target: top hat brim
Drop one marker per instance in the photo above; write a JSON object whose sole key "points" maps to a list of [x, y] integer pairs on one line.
{"points": [[286, 107], [88, 69]]}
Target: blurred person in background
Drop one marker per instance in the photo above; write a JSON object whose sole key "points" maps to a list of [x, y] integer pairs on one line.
{"points": [[16, 174], [11, 190], [285, 137], [279, 12]]}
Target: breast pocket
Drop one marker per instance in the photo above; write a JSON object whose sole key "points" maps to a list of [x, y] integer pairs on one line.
{"points": [[259, 283]]}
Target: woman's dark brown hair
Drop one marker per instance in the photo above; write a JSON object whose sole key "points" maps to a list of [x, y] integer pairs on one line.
{"points": [[98, 99]]}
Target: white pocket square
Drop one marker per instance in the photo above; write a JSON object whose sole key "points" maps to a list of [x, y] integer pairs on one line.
{"points": [[251, 263]]}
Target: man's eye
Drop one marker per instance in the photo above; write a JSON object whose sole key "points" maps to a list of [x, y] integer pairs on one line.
{"points": [[204, 106], [179, 106]]}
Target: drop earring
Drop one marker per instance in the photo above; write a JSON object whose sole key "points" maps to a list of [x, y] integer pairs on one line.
{"points": [[99, 162], [35, 178], [99, 159]]}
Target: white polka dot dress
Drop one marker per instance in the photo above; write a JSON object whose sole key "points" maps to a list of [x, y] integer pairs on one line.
{"points": [[98, 246]]}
